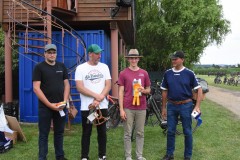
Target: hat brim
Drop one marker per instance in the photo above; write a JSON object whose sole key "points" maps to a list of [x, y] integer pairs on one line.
{"points": [[50, 49], [98, 51], [175, 57], [133, 56]]}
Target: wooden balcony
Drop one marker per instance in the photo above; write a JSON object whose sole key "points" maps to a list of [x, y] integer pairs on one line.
{"points": [[91, 14]]}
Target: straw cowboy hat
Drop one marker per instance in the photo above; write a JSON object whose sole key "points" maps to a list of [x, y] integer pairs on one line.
{"points": [[133, 53]]}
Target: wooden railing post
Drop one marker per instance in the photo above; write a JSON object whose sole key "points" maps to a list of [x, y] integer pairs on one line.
{"points": [[49, 23]]}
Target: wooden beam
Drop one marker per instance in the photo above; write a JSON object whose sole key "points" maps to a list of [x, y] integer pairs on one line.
{"points": [[114, 57], [49, 24], [1, 12], [8, 68]]}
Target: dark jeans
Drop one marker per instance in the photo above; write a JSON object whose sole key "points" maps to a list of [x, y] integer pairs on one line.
{"points": [[173, 111], [86, 134], [44, 123], [2, 137]]}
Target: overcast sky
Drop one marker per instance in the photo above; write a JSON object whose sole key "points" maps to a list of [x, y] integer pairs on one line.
{"points": [[229, 51]]}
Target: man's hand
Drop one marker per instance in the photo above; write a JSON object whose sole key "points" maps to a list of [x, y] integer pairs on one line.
{"points": [[96, 103], [197, 109], [164, 113], [61, 105], [123, 115], [141, 89], [53, 106], [99, 97]]}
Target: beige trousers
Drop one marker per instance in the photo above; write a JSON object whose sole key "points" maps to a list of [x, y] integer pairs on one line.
{"points": [[137, 118]]}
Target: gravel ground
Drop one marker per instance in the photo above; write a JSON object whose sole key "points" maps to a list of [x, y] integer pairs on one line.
{"points": [[226, 98]]}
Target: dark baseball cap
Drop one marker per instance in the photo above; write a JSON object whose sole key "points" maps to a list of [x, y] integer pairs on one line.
{"points": [[177, 54]]}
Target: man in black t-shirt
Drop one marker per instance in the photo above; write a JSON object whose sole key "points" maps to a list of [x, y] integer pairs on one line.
{"points": [[51, 85]]}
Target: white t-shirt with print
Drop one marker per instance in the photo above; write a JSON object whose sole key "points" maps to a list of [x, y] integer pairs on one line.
{"points": [[94, 78]]}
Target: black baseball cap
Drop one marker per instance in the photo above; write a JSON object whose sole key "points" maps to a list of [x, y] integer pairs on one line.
{"points": [[177, 54]]}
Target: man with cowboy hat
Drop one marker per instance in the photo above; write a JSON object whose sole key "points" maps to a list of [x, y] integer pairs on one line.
{"points": [[134, 84]]}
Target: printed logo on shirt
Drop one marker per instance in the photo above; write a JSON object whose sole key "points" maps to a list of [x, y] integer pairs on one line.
{"points": [[176, 74], [59, 71], [94, 76], [141, 75]]}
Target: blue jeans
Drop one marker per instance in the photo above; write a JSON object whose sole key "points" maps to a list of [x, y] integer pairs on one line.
{"points": [[184, 111], [44, 123]]}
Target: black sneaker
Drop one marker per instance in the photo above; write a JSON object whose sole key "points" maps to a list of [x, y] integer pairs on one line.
{"points": [[5, 146], [168, 157], [187, 158]]}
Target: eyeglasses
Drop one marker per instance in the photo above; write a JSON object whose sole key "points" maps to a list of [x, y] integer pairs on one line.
{"points": [[51, 52]]}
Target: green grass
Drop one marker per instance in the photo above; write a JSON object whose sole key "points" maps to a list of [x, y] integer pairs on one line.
{"points": [[210, 80], [217, 138]]}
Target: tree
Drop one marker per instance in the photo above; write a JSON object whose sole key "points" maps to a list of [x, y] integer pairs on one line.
{"points": [[169, 25]]}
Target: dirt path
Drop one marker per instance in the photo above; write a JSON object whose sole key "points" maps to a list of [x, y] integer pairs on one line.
{"points": [[226, 98]]}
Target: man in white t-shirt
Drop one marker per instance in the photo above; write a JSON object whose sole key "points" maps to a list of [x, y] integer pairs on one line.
{"points": [[93, 81]]}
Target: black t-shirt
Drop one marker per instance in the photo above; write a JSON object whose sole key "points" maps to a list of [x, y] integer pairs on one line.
{"points": [[52, 80]]}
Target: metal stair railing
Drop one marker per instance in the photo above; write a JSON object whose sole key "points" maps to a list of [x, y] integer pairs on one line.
{"points": [[38, 19]]}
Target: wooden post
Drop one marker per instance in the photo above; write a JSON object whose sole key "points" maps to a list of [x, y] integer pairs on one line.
{"points": [[114, 57], [8, 67], [49, 22]]}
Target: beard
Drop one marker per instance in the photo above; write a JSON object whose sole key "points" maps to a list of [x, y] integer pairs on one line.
{"points": [[50, 61]]}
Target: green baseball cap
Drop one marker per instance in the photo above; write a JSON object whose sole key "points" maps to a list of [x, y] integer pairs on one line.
{"points": [[94, 48]]}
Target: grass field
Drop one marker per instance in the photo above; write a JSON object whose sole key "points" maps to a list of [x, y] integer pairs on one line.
{"points": [[210, 80], [217, 138]]}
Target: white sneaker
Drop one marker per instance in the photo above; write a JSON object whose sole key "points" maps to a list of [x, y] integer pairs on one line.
{"points": [[129, 158], [141, 158], [103, 158], [84, 158]]}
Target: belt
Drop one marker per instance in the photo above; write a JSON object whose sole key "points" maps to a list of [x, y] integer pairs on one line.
{"points": [[180, 102]]}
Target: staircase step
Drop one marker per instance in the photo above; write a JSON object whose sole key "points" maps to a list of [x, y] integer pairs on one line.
{"points": [[29, 38], [34, 53], [32, 46], [36, 24], [36, 18], [32, 31]]}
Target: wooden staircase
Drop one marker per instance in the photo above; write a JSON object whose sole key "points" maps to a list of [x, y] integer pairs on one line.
{"points": [[31, 29]]}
